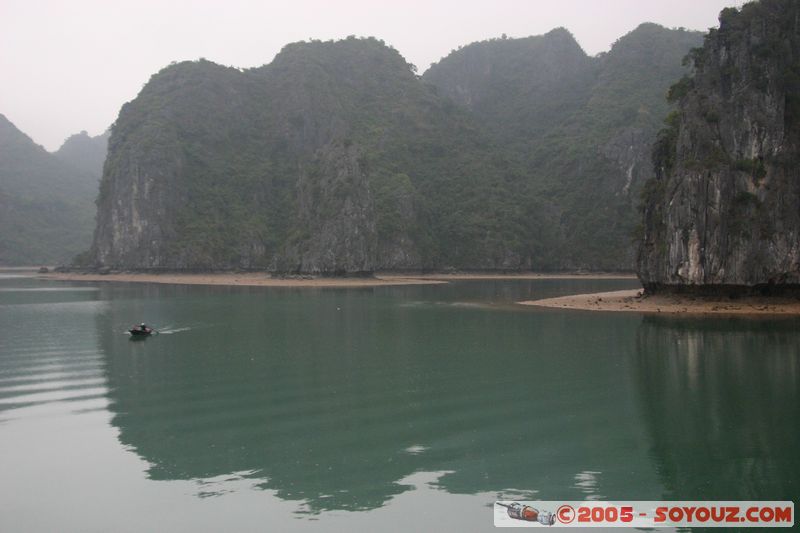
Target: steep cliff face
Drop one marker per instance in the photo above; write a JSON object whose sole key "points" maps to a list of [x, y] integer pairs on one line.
{"points": [[337, 157], [333, 158], [335, 209], [181, 184], [724, 209]]}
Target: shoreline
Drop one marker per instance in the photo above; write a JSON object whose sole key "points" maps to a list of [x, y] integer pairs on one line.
{"points": [[632, 301], [248, 279], [262, 279], [521, 275]]}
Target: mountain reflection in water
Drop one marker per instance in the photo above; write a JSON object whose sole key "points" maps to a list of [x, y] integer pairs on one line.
{"points": [[721, 400], [355, 400]]}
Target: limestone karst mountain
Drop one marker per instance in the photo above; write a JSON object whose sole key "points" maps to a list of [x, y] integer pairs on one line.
{"points": [[336, 157], [723, 213]]}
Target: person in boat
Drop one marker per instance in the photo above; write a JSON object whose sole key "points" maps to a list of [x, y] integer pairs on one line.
{"points": [[143, 328]]}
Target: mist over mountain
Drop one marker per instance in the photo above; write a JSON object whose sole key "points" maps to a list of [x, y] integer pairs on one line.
{"points": [[508, 154], [46, 204], [578, 130], [84, 152], [518, 88]]}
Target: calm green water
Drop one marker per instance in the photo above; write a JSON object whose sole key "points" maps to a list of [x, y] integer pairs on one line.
{"points": [[397, 408]]}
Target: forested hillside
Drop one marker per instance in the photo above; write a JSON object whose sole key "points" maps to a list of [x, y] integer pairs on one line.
{"points": [[336, 157], [577, 131]]}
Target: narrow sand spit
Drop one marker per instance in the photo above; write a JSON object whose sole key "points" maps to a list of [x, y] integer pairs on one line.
{"points": [[245, 279], [260, 279], [633, 301], [524, 275]]}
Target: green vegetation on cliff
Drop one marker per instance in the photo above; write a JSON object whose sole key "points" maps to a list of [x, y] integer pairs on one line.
{"points": [[337, 157], [589, 153], [722, 210], [249, 168]]}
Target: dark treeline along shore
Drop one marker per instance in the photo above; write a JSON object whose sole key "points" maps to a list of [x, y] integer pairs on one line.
{"points": [[507, 155]]}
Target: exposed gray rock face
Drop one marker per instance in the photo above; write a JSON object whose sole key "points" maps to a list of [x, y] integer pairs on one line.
{"points": [[724, 210], [138, 199], [335, 207], [629, 149]]}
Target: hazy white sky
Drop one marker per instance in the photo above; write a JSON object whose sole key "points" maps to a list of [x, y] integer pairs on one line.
{"points": [[68, 65]]}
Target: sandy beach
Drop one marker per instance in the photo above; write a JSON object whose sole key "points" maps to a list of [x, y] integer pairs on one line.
{"points": [[524, 275], [249, 279], [261, 279], [616, 301], [633, 301]]}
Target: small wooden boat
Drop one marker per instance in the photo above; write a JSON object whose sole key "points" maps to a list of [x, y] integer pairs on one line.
{"points": [[138, 331]]}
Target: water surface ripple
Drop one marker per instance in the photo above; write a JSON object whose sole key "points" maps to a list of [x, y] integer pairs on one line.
{"points": [[351, 409]]}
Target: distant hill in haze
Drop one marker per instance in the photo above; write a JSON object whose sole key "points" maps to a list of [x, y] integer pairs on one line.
{"points": [[85, 153], [46, 204], [518, 88], [576, 129], [508, 154]]}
